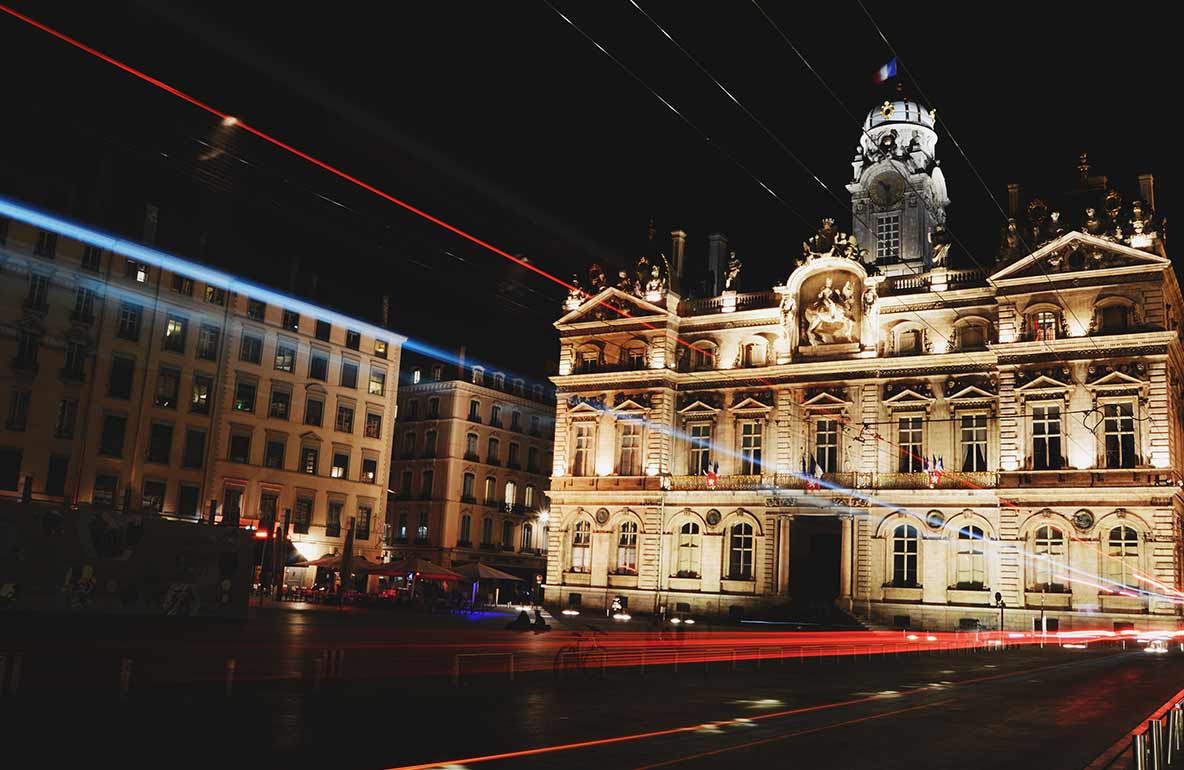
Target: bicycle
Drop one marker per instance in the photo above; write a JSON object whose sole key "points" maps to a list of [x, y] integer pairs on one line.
{"points": [[581, 655]]}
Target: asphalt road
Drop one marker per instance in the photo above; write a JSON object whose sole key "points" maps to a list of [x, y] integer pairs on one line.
{"points": [[1056, 708]]}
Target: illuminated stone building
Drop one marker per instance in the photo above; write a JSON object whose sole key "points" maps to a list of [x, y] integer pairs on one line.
{"points": [[138, 380], [470, 474], [1010, 428]]}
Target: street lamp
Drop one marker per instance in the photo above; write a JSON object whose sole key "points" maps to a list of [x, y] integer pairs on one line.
{"points": [[1001, 604]]}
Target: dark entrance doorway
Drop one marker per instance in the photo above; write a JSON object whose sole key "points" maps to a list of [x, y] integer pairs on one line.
{"points": [[815, 545]]}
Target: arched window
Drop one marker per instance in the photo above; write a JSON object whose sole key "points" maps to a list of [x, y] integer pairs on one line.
{"points": [[1048, 554], [587, 359], [493, 457], [471, 446], [527, 537], [1122, 556], [508, 534], [581, 546], [487, 531], [479, 375], [972, 336], [511, 494], [904, 556], [741, 550], [971, 563], [490, 490], [528, 497], [703, 355], [688, 550], [627, 548], [1114, 318], [754, 353], [466, 529], [1044, 325], [910, 342], [633, 355]]}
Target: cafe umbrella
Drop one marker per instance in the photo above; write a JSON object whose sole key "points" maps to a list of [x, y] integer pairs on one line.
{"points": [[478, 572]]}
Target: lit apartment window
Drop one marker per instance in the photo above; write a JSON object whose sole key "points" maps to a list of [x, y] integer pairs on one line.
{"points": [[581, 458], [1044, 325], [490, 490], [256, 309], [369, 470], [377, 381], [291, 321], [340, 468], [511, 498], [175, 329], [199, 401], [373, 425], [182, 284], [285, 356], [581, 546], [380, 348], [627, 548], [281, 403], [137, 271], [215, 295], [308, 460]]}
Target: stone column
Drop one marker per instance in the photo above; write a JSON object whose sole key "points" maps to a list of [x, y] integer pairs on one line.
{"points": [[783, 525], [847, 547]]}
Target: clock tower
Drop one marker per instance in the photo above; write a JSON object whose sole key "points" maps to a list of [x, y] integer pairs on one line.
{"points": [[898, 193]]}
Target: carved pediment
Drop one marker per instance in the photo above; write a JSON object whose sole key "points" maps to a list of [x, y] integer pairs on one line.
{"points": [[752, 400], [605, 305], [970, 389], [1117, 375], [824, 400], [897, 392], [1051, 378], [1076, 252], [699, 402], [633, 402], [585, 404]]}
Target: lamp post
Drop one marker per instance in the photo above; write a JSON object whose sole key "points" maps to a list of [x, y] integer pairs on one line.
{"points": [[544, 517], [664, 482], [1043, 622], [1001, 604]]}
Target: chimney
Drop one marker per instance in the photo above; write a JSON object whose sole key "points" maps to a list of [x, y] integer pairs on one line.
{"points": [[1013, 199], [678, 248], [717, 260], [1147, 190]]}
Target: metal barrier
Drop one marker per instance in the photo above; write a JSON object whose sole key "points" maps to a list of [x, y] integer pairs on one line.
{"points": [[1155, 744]]}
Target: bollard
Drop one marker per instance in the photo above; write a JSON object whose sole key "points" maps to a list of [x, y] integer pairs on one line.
{"points": [[125, 677], [230, 667], [1139, 751]]}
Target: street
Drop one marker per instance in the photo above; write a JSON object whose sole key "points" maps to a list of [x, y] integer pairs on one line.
{"points": [[292, 703]]}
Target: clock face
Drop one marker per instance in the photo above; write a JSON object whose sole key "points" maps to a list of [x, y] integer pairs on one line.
{"points": [[886, 189]]}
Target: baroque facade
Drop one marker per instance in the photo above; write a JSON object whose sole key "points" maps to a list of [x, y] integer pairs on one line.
{"points": [[469, 478], [141, 381], [915, 442]]}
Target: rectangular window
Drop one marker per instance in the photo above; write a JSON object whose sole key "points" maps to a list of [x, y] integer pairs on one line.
{"points": [[468, 488], [75, 368], [751, 441], [405, 484], [154, 494], [291, 321], [194, 455], [1046, 438], [333, 519], [421, 532], [908, 439], [92, 258], [256, 309], [207, 342], [251, 349], [323, 330], [318, 365], [281, 403], [349, 374], [362, 524], [630, 451], [67, 418], [28, 346], [128, 324], [513, 459], [380, 348], [534, 425], [84, 305], [120, 385], [240, 448], [887, 237], [581, 457], [285, 356], [700, 448], [353, 339], [1120, 436], [1044, 325], [495, 416], [160, 443], [244, 396], [433, 408], [490, 490], [175, 328], [111, 439], [137, 271], [373, 425], [826, 445], [232, 506], [55, 479], [532, 459], [345, 419], [106, 486], [475, 411], [429, 443], [369, 470], [18, 410], [47, 244], [973, 437], [187, 502], [516, 421], [199, 400], [377, 381], [428, 482], [182, 285], [340, 468], [273, 453], [268, 508], [302, 515], [308, 460], [215, 295], [314, 411], [168, 385]]}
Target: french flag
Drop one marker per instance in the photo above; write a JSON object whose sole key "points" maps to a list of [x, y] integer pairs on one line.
{"points": [[887, 71]]}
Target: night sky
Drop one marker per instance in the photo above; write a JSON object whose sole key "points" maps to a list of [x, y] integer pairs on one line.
{"points": [[504, 120]]}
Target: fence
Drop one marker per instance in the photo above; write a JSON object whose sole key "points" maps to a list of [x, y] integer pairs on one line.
{"points": [[1155, 744]]}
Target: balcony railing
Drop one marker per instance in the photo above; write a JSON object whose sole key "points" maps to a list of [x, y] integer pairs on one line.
{"points": [[747, 301], [840, 480], [472, 457]]}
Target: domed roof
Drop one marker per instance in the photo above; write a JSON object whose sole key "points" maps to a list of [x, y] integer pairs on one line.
{"points": [[899, 110]]}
